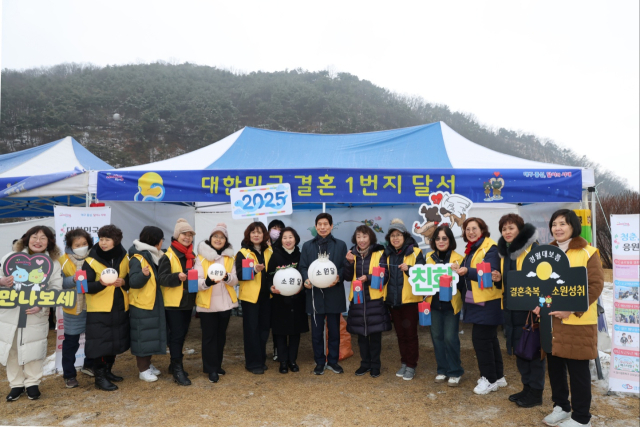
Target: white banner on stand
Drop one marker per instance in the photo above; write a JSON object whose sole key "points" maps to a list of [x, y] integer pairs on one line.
{"points": [[624, 373], [66, 219], [89, 219]]}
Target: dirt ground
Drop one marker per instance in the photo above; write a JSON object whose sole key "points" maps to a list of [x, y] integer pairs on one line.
{"points": [[243, 399]]}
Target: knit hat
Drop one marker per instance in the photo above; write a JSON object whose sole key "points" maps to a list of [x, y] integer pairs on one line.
{"points": [[397, 224], [182, 226], [221, 227]]}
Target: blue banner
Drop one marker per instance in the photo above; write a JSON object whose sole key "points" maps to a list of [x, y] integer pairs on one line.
{"points": [[347, 185]]}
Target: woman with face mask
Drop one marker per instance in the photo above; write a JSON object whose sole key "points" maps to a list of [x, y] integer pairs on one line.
{"points": [[107, 333], [77, 243], [288, 313], [275, 228]]}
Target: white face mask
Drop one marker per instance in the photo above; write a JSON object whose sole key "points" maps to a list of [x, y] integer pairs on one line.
{"points": [[81, 251]]}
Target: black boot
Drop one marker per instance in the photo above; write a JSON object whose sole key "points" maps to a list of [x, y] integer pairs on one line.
{"points": [[178, 373], [102, 382], [520, 395], [185, 372], [284, 368], [533, 398], [111, 376]]}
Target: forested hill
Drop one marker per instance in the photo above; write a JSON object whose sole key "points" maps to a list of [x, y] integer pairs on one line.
{"points": [[167, 110]]}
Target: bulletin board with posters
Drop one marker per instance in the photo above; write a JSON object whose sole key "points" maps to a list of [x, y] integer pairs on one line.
{"points": [[625, 355]]}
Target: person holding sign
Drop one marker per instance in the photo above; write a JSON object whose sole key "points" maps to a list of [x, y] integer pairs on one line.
{"points": [[575, 339], [514, 245], [445, 315], [148, 324], [326, 303], [107, 333], [216, 298], [482, 302], [22, 351], [288, 313], [255, 296], [402, 252], [75, 319], [174, 269], [368, 317]]}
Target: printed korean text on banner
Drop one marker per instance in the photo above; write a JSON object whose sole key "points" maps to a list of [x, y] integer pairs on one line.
{"points": [[425, 279], [347, 185], [547, 280], [268, 200], [624, 372], [88, 219]]}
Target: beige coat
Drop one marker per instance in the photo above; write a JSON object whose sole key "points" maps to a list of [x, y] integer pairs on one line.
{"points": [[32, 340], [580, 342]]}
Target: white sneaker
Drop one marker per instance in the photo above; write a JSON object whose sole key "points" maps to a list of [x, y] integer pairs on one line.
{"points": [[155, 371], [556, 417], [400, 372], [502, 382], [485, 387], [453, 381], [573, 423], [148, 376], [440, 378]]}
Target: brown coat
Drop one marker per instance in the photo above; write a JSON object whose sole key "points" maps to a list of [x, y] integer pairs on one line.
{"points": [[580, 342]]}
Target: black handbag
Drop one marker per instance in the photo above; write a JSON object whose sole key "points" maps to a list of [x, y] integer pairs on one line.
{"points": [[529, 345]]}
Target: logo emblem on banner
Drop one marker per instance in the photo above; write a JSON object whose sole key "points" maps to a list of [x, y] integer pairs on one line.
{"points": [[150, 188], [445, 209]]}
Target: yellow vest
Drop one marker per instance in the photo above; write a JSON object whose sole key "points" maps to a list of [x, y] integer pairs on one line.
{"points": [[69, 270], [103, 300], [580, 258], [407, 292], [519, 262], [250, 289], [487, 294], [173, 296], [456, 300], [375, 262], [145, 297], [203, 299]]}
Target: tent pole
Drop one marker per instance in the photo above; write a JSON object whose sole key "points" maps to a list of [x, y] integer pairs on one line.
{"points": [[88, 200], [324, 207], [594, 236]]}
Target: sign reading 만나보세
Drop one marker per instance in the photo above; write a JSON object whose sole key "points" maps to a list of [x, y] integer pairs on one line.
{"points": [[347, 185]]}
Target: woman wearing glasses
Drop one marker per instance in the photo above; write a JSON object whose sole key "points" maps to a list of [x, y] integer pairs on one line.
{"points": [[445, 315]]}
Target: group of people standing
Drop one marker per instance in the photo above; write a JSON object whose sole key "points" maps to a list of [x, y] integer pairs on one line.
{"points": [[149, 306]]}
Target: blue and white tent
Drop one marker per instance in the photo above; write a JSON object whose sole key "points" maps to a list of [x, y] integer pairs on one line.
{"points": [[33, 180], [429, 146]]}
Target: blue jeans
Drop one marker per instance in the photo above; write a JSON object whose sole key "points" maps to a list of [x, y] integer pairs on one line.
{"points": [[446, 342], [70, 346]]}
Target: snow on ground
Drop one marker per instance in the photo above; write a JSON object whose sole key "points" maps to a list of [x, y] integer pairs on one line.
{"points": [[49, 366]]}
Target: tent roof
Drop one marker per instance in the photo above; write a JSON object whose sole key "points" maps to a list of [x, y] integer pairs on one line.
{"points": [[58, 156], [433, 145]]}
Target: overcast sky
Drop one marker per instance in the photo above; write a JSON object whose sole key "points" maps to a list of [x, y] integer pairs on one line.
{"points": [[563, 70]]}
